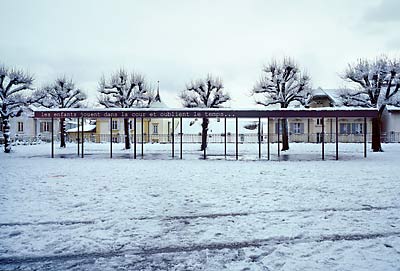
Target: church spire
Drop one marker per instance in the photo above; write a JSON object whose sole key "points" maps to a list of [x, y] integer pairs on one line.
{"points": [[158, 98]]}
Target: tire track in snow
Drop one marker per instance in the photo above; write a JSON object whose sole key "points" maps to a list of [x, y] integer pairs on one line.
{"points": [[211, 216], [65, 223], [273, 241], [364, 208]]}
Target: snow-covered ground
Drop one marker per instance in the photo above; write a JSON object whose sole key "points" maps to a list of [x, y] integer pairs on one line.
{"points": [[158, 213]]}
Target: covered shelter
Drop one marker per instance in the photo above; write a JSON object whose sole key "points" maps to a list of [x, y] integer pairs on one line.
{"points": [[220, 113]]}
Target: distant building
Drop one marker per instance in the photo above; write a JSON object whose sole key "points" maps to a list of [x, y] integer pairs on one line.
{"points": [[27, 128], [155, 130], [310, 130], [391, 125]]}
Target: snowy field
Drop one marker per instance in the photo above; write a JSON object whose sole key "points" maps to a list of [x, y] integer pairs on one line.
{"points": [[295, 212]]}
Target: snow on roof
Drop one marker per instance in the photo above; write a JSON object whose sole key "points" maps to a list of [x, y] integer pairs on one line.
{"points": [[263, 109], [216, 126], [86, 128], [158, 104], [319, 92], [332, 94], [392, 108]]}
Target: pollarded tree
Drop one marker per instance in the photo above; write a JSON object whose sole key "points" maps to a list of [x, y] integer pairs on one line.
{"points": [[204, 93], [377, 85], [282, 83], [125, 90], [61, 94], [13, 97]]}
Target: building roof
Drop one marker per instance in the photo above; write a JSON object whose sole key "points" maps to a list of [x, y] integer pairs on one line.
{"points": [[158, 103], [333, 95], [86, 128], [216, 126], [90, 113], [392, 108]]}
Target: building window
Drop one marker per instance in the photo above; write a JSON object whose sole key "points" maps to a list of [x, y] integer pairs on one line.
{"points": [[351, 128], [130, 125], [155, 128], [297, 128], [114, 125], [278, 127], [20, 126], [319, 121], [45, 126]]}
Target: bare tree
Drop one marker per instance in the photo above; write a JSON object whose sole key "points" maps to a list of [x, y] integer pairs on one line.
{"points": [[204, 93], [61, 94], [13, 97], [377, 84], [125, 90], [282, 83]]}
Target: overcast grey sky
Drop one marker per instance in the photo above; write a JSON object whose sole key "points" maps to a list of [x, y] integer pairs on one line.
{"points": [[176, 41]]}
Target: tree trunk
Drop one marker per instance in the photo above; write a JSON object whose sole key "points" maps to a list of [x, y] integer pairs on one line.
{"points": [[6, 134], [204, 131], [62, 133], [127, 139], [285, 135], [376, 134]]}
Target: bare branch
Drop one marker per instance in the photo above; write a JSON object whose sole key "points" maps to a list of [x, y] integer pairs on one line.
{"points": [[207, 93], [282, 83]]}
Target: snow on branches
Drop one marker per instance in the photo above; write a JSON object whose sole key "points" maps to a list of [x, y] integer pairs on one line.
{"points": [[282, 83], [13, 97], [61, 94], [13, 83], [377, 83], [125, 90], [204, 93]]}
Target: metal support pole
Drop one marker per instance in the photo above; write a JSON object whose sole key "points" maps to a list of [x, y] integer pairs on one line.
{"points": [[134, 138], [259, 138], [110, 137], [237, 139], [148, 131], [337, 138], [205, 147], [173, 137], [52, 137], [268, 146], [279, 138], [323, 138], [365, 137], [83, 136], [141, 128], [79, 136], [180, 124], [225, 137]]}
